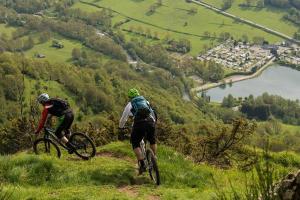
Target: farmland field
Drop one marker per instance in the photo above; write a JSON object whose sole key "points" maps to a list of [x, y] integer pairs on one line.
{"points": [[268, 16], [173, 18], [54, 54]]}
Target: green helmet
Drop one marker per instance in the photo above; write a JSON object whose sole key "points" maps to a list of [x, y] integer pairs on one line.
{"points": [[133, 93]]}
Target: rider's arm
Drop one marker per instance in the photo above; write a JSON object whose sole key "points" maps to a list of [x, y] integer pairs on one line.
{"points": [[154, 114], [43, 119], [125, 115]]}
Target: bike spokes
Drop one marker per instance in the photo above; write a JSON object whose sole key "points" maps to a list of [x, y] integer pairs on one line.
{"points": [[84, 147], [46, 147]]}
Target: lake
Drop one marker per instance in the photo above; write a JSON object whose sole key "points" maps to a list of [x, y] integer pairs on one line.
{"points": [[276, 79]]}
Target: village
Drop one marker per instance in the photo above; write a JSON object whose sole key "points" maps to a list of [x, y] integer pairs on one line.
{"points": [[240, 56], [291, 55]]}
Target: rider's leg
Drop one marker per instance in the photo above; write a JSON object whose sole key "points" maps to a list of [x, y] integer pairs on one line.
{"points": [[64, 123], [61, 124], [153, 148], [136, 138], [151, 137], [138, 153]]}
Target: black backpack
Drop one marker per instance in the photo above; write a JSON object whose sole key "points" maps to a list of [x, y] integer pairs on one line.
{"points": [[59, 106]]}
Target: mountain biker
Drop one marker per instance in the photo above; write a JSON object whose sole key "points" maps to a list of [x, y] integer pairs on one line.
{"points": [[60, 109], [143, 126]]}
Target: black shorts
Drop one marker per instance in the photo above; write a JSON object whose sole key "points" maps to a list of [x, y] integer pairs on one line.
{"points": [[143, 130], [65, 124]]}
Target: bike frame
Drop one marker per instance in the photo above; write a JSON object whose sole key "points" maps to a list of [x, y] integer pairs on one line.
{"points": [[50, 135]]}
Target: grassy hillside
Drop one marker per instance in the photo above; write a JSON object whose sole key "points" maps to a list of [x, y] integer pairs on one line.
{"points": [[111, 175], [269, 16], [4, 29], [181, 24]]}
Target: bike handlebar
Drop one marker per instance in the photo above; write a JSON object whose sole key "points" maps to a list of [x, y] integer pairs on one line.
{"points": [[125, 128]]}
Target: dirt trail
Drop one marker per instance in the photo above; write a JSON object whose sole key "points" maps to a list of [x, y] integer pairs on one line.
{"points": [[130, 191], [115, 155]]}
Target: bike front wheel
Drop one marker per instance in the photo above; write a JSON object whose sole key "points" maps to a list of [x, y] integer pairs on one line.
{"points": [[84, 146], [153, 168], [45, 146]]}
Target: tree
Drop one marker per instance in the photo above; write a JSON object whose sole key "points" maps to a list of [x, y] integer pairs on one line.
{"points": [[249, 2], [159, 3], [192, 11], [258, 40], [155, 35], [228, 101], [245, 38], [152, 9], [260, 3], [148, 33], [76, 54], [44, 36], [30, 43], [206, 34], [227, 4]]}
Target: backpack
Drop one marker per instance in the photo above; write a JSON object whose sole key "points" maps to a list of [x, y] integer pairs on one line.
{"points": [[140, 108], [59, 106]]}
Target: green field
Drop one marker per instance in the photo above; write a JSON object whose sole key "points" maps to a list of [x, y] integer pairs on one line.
{"points": [[268, 16], [54, 54], [8, 30], [111, 175], [171, 17]]}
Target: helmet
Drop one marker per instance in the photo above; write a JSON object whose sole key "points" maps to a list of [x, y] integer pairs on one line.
{"points": [[133, 93], [43, 98]]}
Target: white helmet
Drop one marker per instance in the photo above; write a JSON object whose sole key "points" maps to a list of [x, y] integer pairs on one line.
{"points": [[43, 98]]}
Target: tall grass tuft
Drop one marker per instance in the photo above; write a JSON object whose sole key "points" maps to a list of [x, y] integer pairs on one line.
{"points": [[260, 184], [4, 195]]}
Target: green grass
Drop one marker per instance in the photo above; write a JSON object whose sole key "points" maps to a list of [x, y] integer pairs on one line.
{"points": [[291, 128], [8, 30], [173, 14], [108, 176], [269, 16], [112, 174], [53, 54]]}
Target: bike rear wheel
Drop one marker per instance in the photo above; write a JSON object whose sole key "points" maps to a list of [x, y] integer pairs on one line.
{"points": [[84, 146], [153, 168], [45, 146]]}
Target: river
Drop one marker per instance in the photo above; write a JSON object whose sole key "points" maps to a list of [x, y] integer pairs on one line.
{"points": [[276, 79]]}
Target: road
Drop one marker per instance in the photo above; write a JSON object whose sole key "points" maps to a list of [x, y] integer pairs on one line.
{"points": [[246, 21]]}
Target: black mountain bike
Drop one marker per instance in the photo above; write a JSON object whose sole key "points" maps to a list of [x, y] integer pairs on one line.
{"points": [[149, 160], [84, 146]]}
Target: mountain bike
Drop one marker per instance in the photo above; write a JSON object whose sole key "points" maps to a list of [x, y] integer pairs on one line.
{"points": [[149, 160], [84, 147]]}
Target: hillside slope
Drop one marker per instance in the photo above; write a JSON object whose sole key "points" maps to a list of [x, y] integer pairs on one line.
{"points": [[111, 175]]}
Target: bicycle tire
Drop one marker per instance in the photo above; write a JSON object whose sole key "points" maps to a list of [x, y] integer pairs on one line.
{"points": [[81, 141], [153, 167], [46, 147]]}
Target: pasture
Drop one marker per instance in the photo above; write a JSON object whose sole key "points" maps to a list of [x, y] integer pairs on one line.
{"points": [[174, 19], [269, 16]]}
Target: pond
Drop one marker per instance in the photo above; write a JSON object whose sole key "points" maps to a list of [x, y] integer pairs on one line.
{"points": [[276, 80]]}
